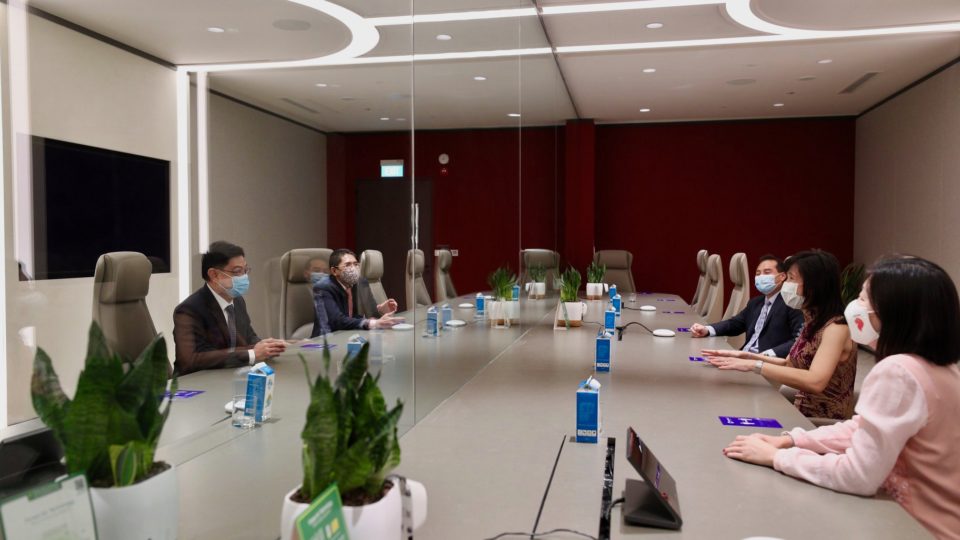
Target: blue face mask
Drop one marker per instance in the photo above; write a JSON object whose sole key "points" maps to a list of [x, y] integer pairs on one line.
{"points": [[241, 284], [317, 277], [765, 283]]}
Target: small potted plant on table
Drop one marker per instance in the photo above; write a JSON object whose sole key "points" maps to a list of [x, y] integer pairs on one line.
{"points": [[537, 287], [570, 310], [595, 285], [502, 309]]}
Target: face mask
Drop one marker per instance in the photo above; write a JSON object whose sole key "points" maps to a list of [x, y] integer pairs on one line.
{"points": [[858, 319], [317, 277], [765, 283], [241, 284], [790, 296], [350, 276]]}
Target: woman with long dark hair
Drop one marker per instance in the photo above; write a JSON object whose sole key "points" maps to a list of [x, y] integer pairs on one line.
{"points": [[822, 365], [906, 435]]}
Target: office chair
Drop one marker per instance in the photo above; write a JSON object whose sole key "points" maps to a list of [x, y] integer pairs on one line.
{"points": [[619, 265], [712, 307], [443, 283], [549, 259], [297, 311], [370, 289], [121, 282], [417, 294], [701, 281], [740, 276]]}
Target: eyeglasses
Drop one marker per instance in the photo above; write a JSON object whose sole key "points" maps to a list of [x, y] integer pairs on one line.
{"points": [[237, 272], [348, 265]]}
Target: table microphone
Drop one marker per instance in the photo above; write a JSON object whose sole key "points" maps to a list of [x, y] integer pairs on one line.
{"points": [[620, 329]]}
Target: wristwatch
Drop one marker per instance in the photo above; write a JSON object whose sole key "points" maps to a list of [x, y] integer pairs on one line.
{"points": [[758, 366]]}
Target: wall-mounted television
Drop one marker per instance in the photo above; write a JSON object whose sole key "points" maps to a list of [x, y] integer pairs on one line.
{"points": [[88, 201]]}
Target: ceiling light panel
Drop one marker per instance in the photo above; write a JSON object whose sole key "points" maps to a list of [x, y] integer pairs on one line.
{"points": [[493, 34]]}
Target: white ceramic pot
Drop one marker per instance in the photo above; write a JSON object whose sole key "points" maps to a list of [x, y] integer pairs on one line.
{"points": [[498, 312], [382, 520], [512, 310], [595, 290], [536, 290], [147, 510], [575, 313]]}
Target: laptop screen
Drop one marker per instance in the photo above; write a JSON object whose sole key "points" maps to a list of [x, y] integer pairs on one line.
{"points": [[651, 471]]}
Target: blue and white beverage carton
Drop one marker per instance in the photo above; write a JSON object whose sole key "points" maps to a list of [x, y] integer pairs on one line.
{"points": [[259, 402], [432, 327], [588, 411], [610, 320], [446, 315], [613, 291], [604, 352], [354, 344], [516, 292], [618, 305], [480, 304]]}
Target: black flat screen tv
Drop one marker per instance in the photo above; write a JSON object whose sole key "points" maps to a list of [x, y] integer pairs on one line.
{"points": [[88, 201]]}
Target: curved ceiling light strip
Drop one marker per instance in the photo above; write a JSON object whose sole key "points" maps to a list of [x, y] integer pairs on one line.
{"points": [[456, 16]]}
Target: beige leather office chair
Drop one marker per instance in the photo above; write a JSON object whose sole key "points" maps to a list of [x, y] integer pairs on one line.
{"points": [[701, 281], [712, 308], [370, 290], [740, 295], [121, 282], [548, 258], [417, 294], [619, 265], [297, 311], [443, 283]]}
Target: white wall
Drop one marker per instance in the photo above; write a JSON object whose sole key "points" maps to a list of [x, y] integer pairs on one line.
{"points": [[908, 175], [268, 190]]}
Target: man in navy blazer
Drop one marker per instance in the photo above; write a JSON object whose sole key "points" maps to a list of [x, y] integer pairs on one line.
{"points": [[335, 299], [211, 327], [771, 326]]}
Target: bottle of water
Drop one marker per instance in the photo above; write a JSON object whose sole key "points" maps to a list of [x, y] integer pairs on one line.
{"points": [[240, 418]]}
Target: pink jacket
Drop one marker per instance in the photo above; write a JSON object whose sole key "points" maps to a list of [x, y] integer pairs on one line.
{"points": [[905, 438]]}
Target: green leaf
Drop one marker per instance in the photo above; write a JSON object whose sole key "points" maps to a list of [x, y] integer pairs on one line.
{"points": [[49, 400], [97, 344], [124, 462], [319, 437]]}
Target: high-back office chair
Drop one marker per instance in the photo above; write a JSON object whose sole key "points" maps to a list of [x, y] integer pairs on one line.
{"points": [[712, 307], [702, 280], [121, 282], [370, 290], [297, 311], [619, 265], [549, 259], [740, 295], [274, 279], [417, 294], [443, 283]]}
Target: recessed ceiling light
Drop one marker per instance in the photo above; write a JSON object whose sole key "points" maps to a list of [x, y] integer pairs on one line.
{"points": [[741, 82], [291, 25], [514, 115], [321, 85], [644, 109], [654, 25], [825, 61], [384, 118], [444, 37], [400, 119], [650, 70], [479, 78], [215, 30], [778, 104], [806, 78]]}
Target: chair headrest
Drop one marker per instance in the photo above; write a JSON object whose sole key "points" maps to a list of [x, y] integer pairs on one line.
{"points": [[123, 276], [444, 260], [702, 260], [415, 262], [713, 268], [294, 261], [737, 266], [614, 258], [371, 265], [546, 257]]}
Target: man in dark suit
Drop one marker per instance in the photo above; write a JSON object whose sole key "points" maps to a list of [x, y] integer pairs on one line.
{"points": [[335, 299], [211, 328], [771, 325]]}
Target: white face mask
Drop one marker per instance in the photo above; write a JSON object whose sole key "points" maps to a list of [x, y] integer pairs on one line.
{"points": [[858, 319], [790, 296]]}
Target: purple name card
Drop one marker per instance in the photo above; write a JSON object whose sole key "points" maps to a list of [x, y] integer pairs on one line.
{"points": [[749, 421], [317, 346], [184, 394], [683, 329], [697, 359], [679, 312]]}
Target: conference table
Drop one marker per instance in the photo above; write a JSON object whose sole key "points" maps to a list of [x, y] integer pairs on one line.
{"points": [[489, 415]]}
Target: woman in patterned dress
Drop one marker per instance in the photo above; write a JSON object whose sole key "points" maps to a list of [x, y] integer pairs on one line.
{"points": [[822, 365]]}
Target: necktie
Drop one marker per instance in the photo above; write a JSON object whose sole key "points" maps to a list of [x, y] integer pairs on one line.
{"points": [[349, 302], [752, 346], [232, 327]]}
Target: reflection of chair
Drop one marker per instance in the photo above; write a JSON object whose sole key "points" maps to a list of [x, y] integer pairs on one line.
{"points": [[619, 265], [370, 289], [443, 283], [712, 307], [701, 281], [297, 311], [549, 259], [121, 282], [740, 295], [417, 294], [274, 279]]}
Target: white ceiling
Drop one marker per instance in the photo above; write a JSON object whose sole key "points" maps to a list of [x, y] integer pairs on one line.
{"points": [[691, 81]]}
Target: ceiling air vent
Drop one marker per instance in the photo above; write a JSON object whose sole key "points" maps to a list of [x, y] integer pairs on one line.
{"points": [[299, 105], [855, 85]]}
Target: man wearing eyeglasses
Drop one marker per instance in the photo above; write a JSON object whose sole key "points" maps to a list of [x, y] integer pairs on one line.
{"points": [[334, 299], [211, 328]]}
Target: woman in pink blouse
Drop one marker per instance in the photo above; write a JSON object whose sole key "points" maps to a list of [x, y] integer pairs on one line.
{"points": [[905, 437]]}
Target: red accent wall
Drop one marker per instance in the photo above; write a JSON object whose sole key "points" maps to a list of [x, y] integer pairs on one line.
{"points": [[666, 191], [579, 191], [662, 191]]}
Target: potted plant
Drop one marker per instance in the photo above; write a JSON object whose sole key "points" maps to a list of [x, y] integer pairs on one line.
{"points": [[571, 309], [595, 285], [502, 310], [109, 431], [350, 438], [537, 287]]}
